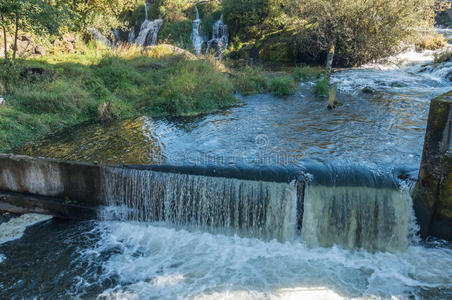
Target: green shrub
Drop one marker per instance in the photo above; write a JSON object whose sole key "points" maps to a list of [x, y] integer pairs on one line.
{"points": [[251, 81], [321, 88], [283, 86], [306, 72], [362, 30], [431, 42]]}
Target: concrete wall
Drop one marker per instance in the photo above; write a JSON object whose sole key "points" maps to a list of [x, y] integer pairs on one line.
{"points": [[433, 194]]}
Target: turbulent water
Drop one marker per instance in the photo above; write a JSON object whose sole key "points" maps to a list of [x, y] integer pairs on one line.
{"points": [[173, 236]]}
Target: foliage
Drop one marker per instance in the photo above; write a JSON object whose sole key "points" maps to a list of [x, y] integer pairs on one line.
{"points": [[361, 30], [306, 72], [250, 19], [29, 15], [321, 88], [251, 81], [431, 42], [283, 86], [99, 84]]}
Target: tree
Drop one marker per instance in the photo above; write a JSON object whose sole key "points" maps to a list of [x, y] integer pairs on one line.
{"points": [[361, 30], [29, 15]]}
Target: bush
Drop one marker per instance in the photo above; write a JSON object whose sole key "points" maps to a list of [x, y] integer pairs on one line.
{"points": [[251, 81], [306, 72], [431, 42], [283, 86], [249, 19], [321, 88], [361, 30]]}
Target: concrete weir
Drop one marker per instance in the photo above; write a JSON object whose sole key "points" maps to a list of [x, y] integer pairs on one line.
{"points": [[76, 190]]}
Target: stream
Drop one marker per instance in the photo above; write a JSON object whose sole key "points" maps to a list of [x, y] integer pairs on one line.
{"points": [[379, 125]]}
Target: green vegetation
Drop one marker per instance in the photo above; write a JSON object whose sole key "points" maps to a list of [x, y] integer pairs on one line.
{"points": [[360, 30], [321, 88], [431, 42], [283, 86], [251, 81], [306, 72], [57, 91]]}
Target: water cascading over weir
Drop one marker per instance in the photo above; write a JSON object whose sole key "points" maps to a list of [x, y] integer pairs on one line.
{"points": [[351, 207], [322, 205]]}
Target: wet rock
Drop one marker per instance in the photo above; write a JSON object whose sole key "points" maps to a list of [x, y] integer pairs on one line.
{"points": [[432, 197], [398, 84], [35, 72], [368, 90], [98, 36]]}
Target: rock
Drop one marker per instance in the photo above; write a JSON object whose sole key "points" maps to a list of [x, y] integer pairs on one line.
{"points": [[368, 90], [57, 43], [98, 36], [70, 39], [398, 84], [2, 101], [40, 50], [432, 197], [36, 72], [68, 47], [25, 47]]}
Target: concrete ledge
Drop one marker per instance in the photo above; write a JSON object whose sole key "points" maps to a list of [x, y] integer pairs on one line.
{"points": [[20, 203]]}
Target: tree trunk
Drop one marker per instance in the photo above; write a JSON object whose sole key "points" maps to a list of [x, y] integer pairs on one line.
{"points": [[15, 38], [329, 62], [329, 66], [4, 37]]}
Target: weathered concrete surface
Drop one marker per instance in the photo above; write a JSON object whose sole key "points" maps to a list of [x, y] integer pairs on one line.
{"points": [[433, 192], [34, 185]]}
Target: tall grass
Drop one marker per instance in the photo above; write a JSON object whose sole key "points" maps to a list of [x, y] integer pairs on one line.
{"points": [[99, 84]]}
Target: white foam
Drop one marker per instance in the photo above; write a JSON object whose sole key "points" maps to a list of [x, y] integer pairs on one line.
{"points": [[159, 262], [2, 258], [14, 228]]}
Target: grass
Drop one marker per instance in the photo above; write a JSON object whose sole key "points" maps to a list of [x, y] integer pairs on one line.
{"points": [[321, 88], [283, 86], [306, 72], [251, 81], [98, 84]]}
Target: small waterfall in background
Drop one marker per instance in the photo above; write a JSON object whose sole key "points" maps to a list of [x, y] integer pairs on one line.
{"points": [[197, 38], [220, 37], [248, 208], [146, 9], [148, 33]]}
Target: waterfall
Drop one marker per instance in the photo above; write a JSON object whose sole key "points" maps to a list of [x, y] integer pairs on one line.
{"points": [[146, 9], [197, 38], [350, 207], [220, 37], [249, 208], [376, 219], [148, 33]]}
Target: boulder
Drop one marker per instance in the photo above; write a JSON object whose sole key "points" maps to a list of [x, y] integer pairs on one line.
{"points": [[368, 90], [40, 50]]}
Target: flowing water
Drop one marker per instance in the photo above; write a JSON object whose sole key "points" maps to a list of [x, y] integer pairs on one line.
{"points": [[165, 235]]}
